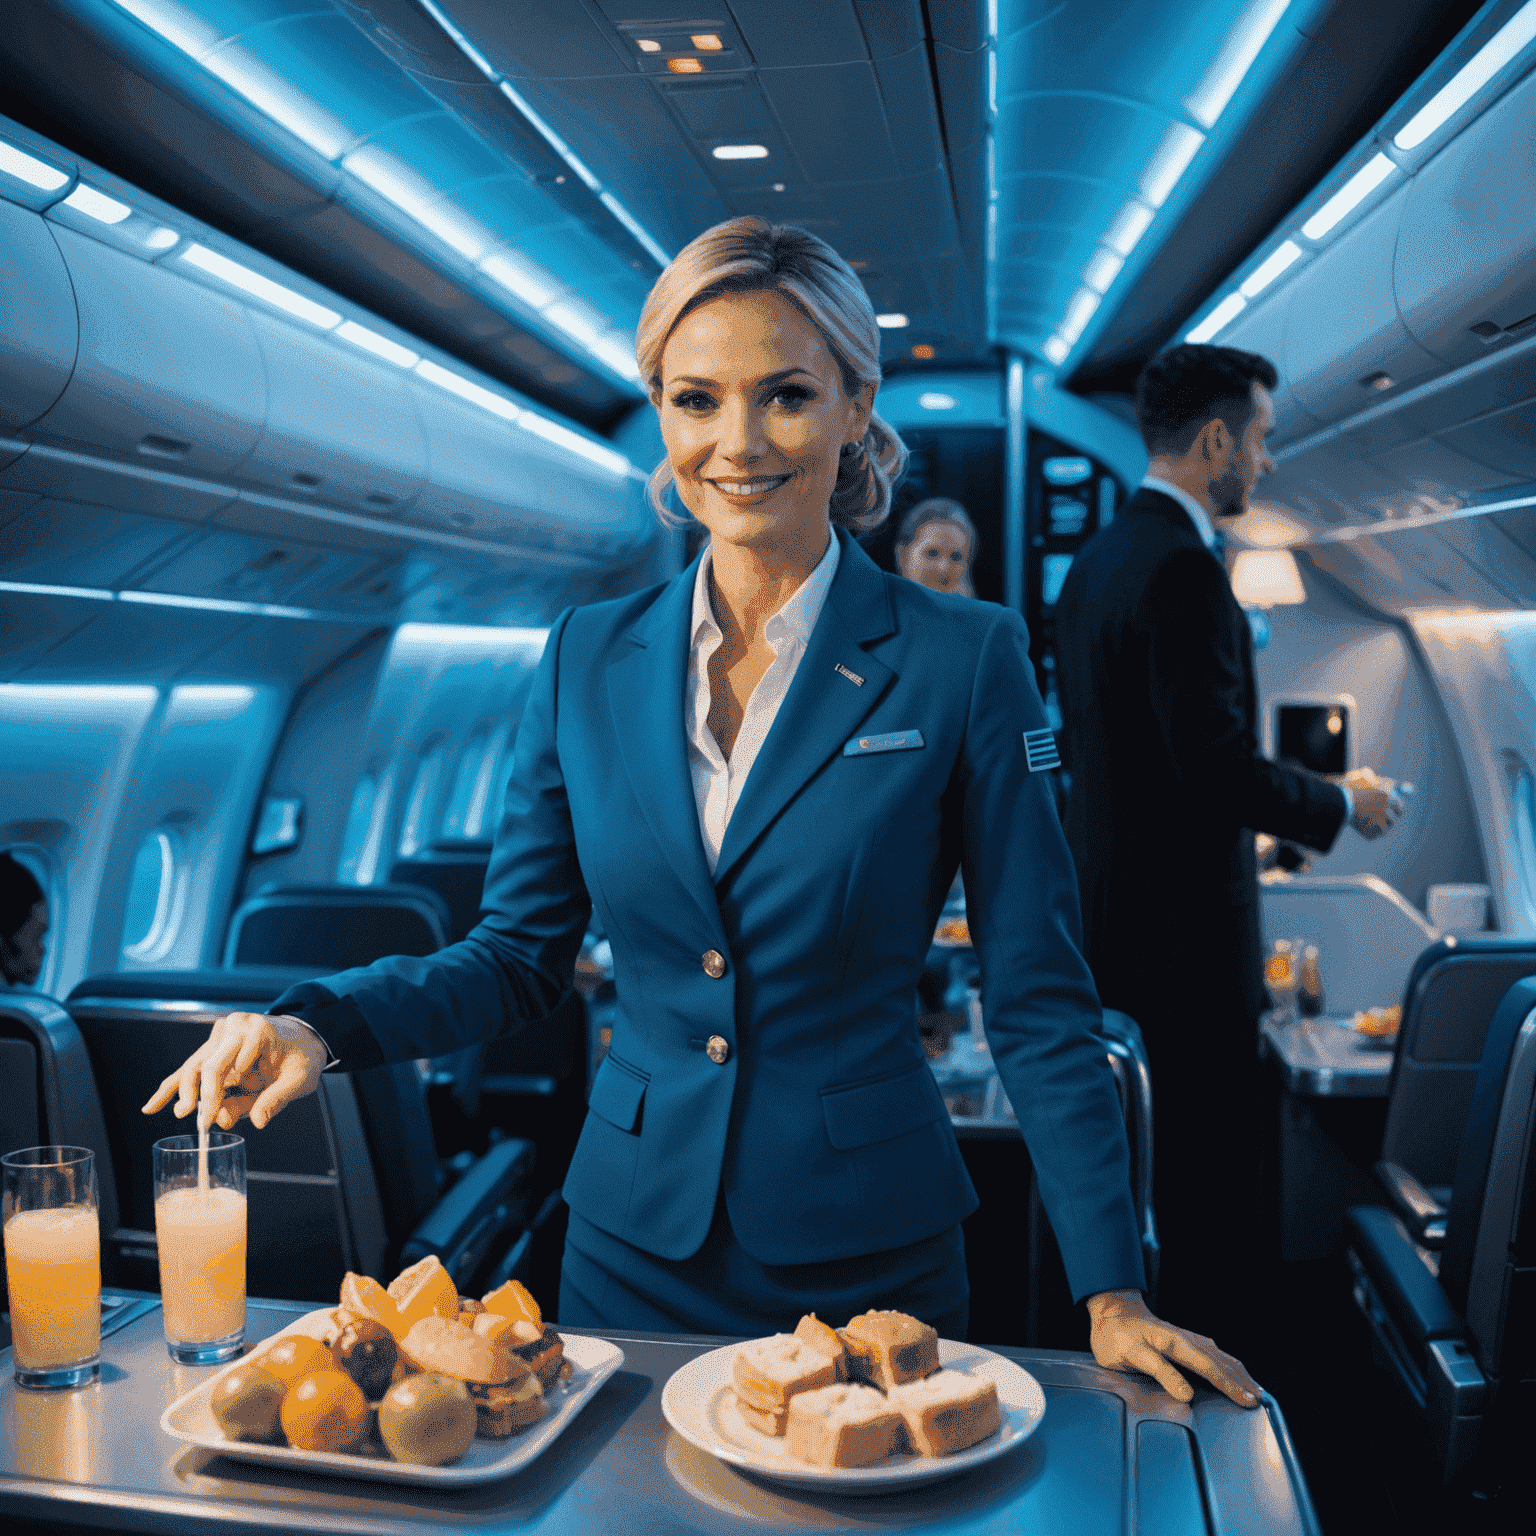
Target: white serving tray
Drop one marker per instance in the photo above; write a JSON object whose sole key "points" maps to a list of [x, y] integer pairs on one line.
{"points": [[701, 1406], [190, 1418]]}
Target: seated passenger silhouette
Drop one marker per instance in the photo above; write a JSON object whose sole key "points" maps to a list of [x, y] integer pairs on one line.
{"points": [[23, 922]]}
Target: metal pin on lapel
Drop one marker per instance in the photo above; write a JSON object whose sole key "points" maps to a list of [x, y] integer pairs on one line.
{"points": [[853, 677]]}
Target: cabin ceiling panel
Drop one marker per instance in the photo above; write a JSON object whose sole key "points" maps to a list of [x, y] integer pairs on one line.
{"points": [[132, 641], [39, 326], [133, 487], [1485, 546]]}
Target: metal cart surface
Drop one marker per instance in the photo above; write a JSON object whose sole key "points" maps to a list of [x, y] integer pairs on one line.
{"points": [[1114, 1454]]}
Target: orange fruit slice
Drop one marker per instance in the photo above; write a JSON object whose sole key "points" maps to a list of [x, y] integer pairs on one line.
{"points": [[325, 1412], [295, 1357], [425, 1290], [367, 1298], [514, 1300]]}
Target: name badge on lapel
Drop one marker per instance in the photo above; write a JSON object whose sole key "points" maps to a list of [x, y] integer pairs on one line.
{"points": [[891, 741], [1040, 751]]}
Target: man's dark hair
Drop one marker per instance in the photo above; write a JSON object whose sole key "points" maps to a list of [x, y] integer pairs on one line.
{"points": [[1183, 388], [19, 893]]}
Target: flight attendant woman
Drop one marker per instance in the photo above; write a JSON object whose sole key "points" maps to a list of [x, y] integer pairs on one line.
{"points": [[763, 774]]}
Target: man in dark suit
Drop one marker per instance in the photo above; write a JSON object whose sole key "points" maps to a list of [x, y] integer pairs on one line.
{"points": [[1168, 788]]}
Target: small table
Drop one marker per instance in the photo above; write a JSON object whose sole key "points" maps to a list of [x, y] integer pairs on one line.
{"points": [[1114, 1454], [1331, 1088], [1325, 1058]]}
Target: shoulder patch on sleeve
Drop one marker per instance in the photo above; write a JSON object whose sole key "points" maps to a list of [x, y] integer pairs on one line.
{"points": [[1040, 750]]}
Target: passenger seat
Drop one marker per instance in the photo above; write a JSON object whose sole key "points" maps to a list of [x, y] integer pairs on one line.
{"points": [[1448, 1290], [347, 1179], [1453, 992], [336, 927]]}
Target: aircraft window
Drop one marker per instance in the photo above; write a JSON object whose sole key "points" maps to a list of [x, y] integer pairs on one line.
{"points": [[472, 784], [37, 863], [364, 834], [149, 918], [416, 832]]}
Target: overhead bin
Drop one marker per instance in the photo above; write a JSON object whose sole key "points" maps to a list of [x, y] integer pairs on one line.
{"points": [[1345, 345], [39, 331], [502, 480], [168, 371], [1262, 330], [1465, 268], [340, 426]]}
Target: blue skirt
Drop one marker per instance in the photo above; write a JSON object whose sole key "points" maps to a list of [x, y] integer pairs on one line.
{"points": [[608, 1283]]}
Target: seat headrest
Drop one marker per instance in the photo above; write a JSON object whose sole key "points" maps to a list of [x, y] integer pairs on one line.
{"points": [[257, 985]]}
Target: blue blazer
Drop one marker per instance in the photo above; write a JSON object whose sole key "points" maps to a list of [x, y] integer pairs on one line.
{"points": [[824, 1125]]}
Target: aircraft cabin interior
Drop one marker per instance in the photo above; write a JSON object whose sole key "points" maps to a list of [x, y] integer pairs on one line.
{"points": [[319, 412]]}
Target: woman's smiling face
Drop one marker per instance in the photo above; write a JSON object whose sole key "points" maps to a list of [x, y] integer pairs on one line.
{"points": [[754, 416]]}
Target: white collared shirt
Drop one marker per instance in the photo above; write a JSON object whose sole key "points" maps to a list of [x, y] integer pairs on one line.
{"points": [[1197, 514], [716, 782]]}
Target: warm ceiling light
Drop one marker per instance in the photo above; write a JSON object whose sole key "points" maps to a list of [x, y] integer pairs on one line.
{"points": [[892, 322], [924, 351], [686, 66], [647, 45], [1377, 381], [740, 151], [706, 42], [1266, 578]]}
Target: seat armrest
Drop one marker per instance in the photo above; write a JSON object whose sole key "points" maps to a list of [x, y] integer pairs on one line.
{"points": [[1413, 1298], [490, 1200], [1421, 1213]]}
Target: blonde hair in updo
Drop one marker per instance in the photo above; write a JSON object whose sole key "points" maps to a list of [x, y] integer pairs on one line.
{"points": [[750, 255]]}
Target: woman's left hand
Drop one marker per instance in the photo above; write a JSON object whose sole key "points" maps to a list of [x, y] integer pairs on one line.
{"points": [[1127, 1337]]}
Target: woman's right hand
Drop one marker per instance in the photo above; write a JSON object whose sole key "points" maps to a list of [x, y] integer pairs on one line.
{"points": [[250, 1064]]}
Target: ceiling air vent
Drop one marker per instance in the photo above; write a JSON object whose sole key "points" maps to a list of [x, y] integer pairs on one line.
{"points": [[1486, 329]]}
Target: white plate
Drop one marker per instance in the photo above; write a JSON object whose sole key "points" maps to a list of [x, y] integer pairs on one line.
{"points": [[190, 1418], [701, 1407]]}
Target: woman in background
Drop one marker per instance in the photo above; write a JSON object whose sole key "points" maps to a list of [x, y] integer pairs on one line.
{"points": [[936, 545], [23, 922]]}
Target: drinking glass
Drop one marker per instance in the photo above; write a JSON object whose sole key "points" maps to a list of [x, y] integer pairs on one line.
{"points": [[200, 1234], [53, 1264]]}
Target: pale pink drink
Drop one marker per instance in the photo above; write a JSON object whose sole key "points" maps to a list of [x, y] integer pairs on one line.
{"points": [[200, 1234]]}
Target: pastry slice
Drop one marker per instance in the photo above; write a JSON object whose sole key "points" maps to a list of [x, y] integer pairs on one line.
{"points": [[499, 1411], [766, 1421], [542, 1354], [847, 1425], [947, 1411], [819, 1336], [768, 1372], [889, 1348]]}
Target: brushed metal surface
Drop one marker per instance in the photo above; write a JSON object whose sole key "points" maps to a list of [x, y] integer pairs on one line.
{"points": [[97, 1457]]}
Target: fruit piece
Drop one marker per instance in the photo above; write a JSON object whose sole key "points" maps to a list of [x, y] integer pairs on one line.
{"points": [[294, 1357], [365, 1297], [425, 1290], [495, 1327], [450, 1349], [246, 1403], [470, 1305], [325, 1412], [367, 1353], [514, 1300], [427, 1420]]}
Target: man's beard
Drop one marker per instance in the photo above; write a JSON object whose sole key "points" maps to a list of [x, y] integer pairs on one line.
{"points": [[1229, 496]]}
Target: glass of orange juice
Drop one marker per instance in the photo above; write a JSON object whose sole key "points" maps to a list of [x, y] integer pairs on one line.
{"points": [[53, 1265], [200, 1234]]}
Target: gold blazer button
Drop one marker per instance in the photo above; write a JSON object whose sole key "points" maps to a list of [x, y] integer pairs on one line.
{"points": [[718, 1049], [714, 963]]}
